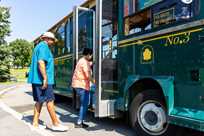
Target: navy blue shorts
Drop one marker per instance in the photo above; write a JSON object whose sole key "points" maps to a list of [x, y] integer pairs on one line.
{"points": [[40, 95]]}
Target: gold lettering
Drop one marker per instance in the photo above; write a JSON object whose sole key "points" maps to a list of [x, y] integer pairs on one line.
{"points": [[187, 37], [176, 40], [169, 41]]}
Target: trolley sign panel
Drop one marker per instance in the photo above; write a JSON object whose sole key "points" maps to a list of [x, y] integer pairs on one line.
{"points": [[163, 18]]}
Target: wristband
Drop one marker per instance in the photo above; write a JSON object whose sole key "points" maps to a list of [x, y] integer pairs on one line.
{"points": [[44, 81]]}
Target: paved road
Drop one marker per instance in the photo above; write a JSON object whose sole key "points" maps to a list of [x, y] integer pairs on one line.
{"points": [[20, 100], [4, 86]]}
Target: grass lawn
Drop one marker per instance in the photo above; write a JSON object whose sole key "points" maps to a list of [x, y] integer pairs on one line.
{"points": [[19, 74]]}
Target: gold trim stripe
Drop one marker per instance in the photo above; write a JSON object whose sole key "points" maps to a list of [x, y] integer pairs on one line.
{"points": [[63, 57], [157, 38]]}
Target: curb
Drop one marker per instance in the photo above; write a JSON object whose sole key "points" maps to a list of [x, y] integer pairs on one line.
{"points": [[7, 89], [20, 117]]}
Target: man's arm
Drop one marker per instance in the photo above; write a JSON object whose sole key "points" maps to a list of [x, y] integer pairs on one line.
{"points": [[42, 68]]}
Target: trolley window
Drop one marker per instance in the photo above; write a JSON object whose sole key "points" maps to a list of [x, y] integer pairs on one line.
{"points": [[143, 15], [60, 44]]}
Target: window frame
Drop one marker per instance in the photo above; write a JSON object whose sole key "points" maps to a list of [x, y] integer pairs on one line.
{"points": [[196, 14], [61, 30], [69, 22], [134, 14]]}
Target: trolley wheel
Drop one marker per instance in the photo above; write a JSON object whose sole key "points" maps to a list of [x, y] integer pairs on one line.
{"points": [[148, 115]]}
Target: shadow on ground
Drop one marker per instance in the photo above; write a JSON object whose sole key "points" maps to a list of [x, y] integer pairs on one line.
{"points": [[69, 115]]}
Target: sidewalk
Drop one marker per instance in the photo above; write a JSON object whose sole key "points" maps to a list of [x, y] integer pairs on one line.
{"points": [[13, 126]]}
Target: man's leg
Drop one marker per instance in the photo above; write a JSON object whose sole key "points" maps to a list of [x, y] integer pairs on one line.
{"points": [[37, 110], [51, 110], [56, 124]]}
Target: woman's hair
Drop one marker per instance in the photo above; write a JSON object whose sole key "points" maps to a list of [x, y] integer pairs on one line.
{"points": [[87, 51]]}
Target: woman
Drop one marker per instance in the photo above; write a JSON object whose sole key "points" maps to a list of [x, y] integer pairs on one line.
{"points": [[81, 83]]}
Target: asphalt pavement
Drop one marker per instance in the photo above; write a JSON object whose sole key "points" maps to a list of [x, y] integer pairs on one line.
{"points": [[16, 113], [18, 103]]}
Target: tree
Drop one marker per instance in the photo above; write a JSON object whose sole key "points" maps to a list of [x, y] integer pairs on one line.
{"points": [[4, 63], [4, 51], [21, 51], [4, 24]]}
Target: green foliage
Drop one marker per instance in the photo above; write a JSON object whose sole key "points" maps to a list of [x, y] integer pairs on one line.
{"points": [[4, 24], [21, 51], [4, 49], [4, 62], [4, 73]]}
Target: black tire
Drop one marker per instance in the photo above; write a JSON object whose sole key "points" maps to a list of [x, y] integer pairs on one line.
{"points": [[137, 118]]}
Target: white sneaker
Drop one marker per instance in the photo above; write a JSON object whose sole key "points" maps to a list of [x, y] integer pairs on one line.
{"points": [[42, 126], [37, 127], [59, 127]]}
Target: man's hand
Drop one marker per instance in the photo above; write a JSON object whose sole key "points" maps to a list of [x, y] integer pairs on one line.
{"points": [[44, 86]]}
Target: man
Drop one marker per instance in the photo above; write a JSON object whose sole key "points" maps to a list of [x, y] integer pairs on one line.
{"points": [[41, 76], [81, 83]]}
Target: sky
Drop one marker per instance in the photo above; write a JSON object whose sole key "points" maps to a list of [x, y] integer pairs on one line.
{"points": [[30, 18]]}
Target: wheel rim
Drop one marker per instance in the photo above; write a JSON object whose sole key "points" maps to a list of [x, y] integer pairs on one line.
{"points": [[152, 118]]}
